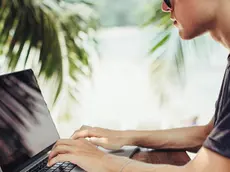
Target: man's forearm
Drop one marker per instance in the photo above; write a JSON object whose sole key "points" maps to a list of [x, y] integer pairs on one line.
{"points": [[190, 138], [113, 163]]}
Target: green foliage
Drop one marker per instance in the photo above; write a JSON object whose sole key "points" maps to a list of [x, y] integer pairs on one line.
{"points": [[52, 28], [162, 20], [167, 35], [171, 60], [170, 52]]}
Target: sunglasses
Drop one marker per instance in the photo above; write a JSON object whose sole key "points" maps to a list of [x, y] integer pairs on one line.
{"points": [[168, 3]]}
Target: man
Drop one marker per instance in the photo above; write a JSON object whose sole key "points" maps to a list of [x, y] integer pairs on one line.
{"points": [[212, 141]]}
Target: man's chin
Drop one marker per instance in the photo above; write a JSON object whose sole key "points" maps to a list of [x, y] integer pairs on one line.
{"points": [[189, 35], [185, 36]]}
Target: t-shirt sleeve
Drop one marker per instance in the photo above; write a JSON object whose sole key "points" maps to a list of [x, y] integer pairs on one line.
{"points": [[219, 139]]}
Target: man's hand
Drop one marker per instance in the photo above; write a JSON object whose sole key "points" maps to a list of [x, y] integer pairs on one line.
{"points": [[109, 139], [79, 152]]}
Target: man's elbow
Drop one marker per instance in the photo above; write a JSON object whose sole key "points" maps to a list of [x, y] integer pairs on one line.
{"points": [[209, 127], [200, 168], [208, 161]]}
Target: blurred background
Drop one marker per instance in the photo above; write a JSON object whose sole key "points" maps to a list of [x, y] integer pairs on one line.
{"points": [[114, 64]]}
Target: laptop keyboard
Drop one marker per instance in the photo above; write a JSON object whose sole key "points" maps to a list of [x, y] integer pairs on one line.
{"points": [[58, 167]]}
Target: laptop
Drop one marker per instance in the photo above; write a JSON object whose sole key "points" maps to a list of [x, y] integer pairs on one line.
{"points": [[27, 131]]}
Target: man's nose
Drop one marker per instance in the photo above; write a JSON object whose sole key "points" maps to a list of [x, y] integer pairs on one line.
{"points": [[164, 7]]}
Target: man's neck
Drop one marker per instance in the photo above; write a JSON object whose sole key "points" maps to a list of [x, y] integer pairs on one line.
{"points": [[221, 29]]}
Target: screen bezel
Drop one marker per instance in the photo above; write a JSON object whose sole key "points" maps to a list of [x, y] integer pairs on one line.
{"points": [[44, 151]]}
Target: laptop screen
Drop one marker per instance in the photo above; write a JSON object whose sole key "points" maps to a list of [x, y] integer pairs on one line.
{"points": [[26, 127]]}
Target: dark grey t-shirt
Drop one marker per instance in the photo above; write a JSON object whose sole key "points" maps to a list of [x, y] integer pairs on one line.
{"points": [[219, 139]]}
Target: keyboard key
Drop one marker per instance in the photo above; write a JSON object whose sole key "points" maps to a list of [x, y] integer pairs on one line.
{"points": [[58, 167]]}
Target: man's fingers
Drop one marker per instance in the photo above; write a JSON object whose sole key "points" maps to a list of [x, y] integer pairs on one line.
{"points": [[103, 142], [98, 141], [62, 158], [85, 127], [85, 133], [67, 142], [61, 149]]}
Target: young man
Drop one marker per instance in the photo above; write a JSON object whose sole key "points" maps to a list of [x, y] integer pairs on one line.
{"points": [[192, 18]]}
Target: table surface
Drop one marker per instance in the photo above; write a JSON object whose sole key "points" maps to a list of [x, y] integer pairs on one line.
{"points": [[171, 157]]}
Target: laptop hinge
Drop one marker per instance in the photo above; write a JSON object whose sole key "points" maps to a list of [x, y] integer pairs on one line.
{"points": [[34, 163]]}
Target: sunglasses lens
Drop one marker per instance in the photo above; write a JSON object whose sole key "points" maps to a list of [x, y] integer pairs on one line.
{"points": [[168, 3]]}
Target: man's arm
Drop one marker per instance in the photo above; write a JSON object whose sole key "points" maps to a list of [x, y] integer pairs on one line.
{"points": [[205, 161], [189, 139]]}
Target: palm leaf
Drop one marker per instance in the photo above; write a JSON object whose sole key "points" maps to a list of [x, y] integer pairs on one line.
{"points": [[39, 26], [160, 43], [174, 53]]}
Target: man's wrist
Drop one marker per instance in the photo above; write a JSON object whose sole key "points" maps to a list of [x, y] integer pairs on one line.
{"points": [[133, 137], [129, 161], [113, 163], [130, 137]]}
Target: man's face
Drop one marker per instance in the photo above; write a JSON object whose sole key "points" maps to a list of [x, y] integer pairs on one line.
{"points": [[191, 17]]}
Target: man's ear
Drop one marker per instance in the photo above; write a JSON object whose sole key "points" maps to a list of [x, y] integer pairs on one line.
{"points": [[208, 161]]}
